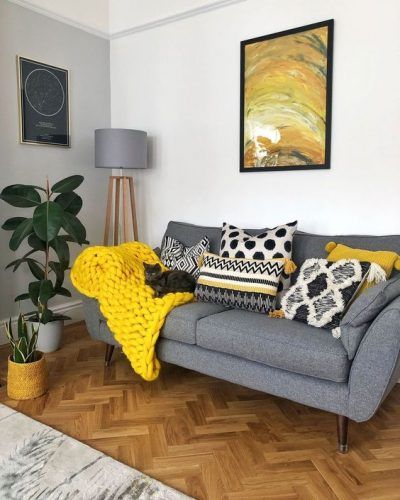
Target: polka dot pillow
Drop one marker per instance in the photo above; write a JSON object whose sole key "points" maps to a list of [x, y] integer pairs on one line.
{"points": [[269, 244]]}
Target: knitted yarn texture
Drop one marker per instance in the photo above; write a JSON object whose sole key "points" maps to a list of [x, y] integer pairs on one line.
{"points": [[115, 277]]}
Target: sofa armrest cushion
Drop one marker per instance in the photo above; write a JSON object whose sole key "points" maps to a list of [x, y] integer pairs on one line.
{"points": [[364, 310]]}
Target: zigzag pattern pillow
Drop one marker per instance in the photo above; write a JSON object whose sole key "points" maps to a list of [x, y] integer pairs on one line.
{"points": [[273, 243], [239, 283], [323, 290], [176, 256]]}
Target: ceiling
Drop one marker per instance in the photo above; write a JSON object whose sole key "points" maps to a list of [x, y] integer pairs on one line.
{"points": [[115, 18]]}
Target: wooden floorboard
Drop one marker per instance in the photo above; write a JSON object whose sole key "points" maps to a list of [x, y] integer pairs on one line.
{"points": [[209, 438]]}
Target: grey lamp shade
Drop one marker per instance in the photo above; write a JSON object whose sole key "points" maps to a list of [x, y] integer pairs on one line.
{"points": [[120, 148]]}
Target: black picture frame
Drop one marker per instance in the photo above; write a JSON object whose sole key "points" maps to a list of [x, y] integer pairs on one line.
{"points": [[43, 103], [329, 24]]}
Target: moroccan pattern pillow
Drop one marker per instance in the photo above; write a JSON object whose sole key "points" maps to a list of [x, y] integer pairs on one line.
{"points": [[239, 283], [323, 290], [175, 255], [273, 243]]}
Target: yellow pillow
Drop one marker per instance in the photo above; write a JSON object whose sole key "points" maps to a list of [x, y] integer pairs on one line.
{"points": [[386, 259]]}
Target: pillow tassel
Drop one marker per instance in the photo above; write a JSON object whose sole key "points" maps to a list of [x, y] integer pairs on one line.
{"points": [[336, 332], [278, 313], [290, 266], [330, 246], [376, 274]]}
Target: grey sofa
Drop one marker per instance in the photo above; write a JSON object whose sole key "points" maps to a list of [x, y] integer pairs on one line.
{"points": [[350, 376]]}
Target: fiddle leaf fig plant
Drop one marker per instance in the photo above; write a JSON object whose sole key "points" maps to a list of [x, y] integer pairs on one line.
{"points": [[48, 232]]}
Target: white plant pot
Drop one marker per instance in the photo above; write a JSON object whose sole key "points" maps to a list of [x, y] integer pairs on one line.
{"points": [[50, 334]]}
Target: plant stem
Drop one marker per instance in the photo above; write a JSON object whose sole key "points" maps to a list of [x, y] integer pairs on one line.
{"points": [[46, 267]]}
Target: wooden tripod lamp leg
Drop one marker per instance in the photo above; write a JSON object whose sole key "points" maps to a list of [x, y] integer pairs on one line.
{"points": [[125, 207], [108, 211], [133, 209], [116, 209]]}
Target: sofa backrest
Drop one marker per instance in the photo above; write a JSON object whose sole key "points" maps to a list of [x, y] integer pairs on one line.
{"points": [[305, 245], [189, 234]]}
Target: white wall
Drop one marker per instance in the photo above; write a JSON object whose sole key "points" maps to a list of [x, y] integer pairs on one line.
{"points": [[126, 14], [92, 14], [29, 34], [180, 82]]}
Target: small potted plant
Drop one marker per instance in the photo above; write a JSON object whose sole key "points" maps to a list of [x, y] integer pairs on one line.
{"points": [[27, 375], [48, 232]]}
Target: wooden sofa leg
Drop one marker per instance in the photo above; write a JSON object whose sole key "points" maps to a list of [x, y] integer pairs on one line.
{"points": [[109, 353], [342, 426]]}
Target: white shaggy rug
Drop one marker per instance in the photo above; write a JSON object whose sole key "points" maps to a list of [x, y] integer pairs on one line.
{"points": [[37, 462]]}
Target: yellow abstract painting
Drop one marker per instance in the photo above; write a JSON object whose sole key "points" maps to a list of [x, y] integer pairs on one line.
{"points": [[286, 99]]}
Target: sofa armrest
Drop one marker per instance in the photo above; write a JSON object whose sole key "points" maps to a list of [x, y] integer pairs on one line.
{"points": [[376, 366]]}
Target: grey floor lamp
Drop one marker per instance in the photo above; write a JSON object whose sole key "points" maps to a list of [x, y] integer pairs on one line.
{"points": [[120, 148]]}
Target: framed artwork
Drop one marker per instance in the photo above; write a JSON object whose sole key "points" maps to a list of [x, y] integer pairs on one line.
{"points": [[43, 103], [286, 99]]}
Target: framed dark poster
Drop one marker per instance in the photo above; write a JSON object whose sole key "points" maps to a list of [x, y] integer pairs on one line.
{"points": [[286, 96], [44, 103]]}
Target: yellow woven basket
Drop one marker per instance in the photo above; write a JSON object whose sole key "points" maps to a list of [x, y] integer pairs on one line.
{"points": [[27, 380]]}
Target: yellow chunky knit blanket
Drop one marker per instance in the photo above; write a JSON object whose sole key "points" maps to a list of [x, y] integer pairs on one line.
{"points": [[115, 277]]}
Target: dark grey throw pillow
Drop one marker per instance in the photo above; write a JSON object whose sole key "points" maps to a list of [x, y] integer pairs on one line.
{"points": [[364, 310]]}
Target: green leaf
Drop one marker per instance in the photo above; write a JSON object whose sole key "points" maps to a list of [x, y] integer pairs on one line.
{"points": [[32, 316], [46, 316], [74, 227], [16, 263], [68, 184], [60, 246], [41, 292], [14, 186], [9, 331], [36, 243], [66, 237], [36, 270], [59, 272], [33, 342], [17, 355], [22, 296], [22, 328], [70, 202], [13, 223], [47, 219], [57, 317], [62, 291], [34, 289], [19, 195], [22, 347], [46, 291], [22, 231]]}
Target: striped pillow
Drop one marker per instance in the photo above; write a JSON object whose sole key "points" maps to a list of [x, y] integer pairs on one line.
{"points": [[239, 283]]}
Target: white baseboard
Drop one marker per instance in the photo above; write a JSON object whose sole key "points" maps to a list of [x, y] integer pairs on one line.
{"points": [[72, 309]]}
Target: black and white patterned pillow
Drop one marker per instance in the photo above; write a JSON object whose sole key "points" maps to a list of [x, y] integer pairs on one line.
{"points": [[176, 256], [240, 283], [323, 290], [269, 244]]}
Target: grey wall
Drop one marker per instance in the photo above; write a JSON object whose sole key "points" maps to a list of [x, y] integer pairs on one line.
{"points": [[26, 33]]}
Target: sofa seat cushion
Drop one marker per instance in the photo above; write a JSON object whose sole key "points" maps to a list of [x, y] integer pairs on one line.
{"points": [[280, 343], [181, 322]]}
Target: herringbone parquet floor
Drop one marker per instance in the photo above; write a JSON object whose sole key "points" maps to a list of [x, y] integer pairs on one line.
{"points": [[212, 439]]}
